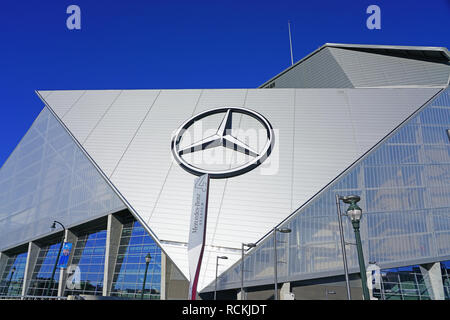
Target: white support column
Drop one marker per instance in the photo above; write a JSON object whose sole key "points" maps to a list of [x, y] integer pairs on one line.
{"points": [[72, 238], [3, 259], [32, 255], [163, 276], [285, 292], [62, 271], [113, 233], [433, 280]]}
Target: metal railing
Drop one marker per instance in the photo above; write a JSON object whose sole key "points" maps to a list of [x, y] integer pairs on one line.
{"points": [[27, 297]]}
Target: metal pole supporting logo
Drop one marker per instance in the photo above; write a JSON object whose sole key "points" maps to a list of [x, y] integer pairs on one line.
{"points": [[223, 137], [197, 231]]}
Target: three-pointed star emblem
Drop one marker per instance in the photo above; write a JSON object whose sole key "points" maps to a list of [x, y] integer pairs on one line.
{"points": [[222, 137]]}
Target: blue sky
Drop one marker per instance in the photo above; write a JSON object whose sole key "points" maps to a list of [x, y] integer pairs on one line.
{"points": [[181, 44]]}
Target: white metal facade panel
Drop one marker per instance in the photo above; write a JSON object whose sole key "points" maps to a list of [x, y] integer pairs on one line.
{"points": [[247, 214], [141, 174], [318, 71], [62, 100], [110, 138], [323, 131], [362, 104], [85, 114], [314, 126], [366, 69]]}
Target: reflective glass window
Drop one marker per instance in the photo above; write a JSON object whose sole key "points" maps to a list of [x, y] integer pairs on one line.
{"points": [[130, 267], [89, 263], [12, 277], [41, 283], [404, 185]]}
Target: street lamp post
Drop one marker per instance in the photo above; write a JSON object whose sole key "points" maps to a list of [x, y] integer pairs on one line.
{"points": [[53, 226], [344, 253], [275, 230], [10, 278], [217, 267], [354, 212], [148, 257], [249, 245]]}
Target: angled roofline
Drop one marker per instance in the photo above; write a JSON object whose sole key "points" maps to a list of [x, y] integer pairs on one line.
{"points": [[443, 50], [127, 205], [294, 213]]}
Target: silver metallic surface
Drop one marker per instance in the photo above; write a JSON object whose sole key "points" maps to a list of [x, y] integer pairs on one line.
{"points": [[404, 188], [347, 65], [223, 137], [48, 178], [246, 207]]}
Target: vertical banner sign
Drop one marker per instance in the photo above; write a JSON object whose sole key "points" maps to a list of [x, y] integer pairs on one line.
{"points": [[197, 231], [62, 263]]}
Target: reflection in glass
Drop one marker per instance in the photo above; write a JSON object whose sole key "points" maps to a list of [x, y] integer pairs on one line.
{"points": [[129, 272], [43, 270], [89, 257], [12, 277], [404, 185]]}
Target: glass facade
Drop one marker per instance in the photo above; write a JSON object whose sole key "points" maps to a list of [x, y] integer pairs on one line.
{"points": [[47, 178], [40, 284], [12, 277], [89, 262], [445, 270], [407, 283], [129, 272], [404, 185], [86, 264], [404, 283]]}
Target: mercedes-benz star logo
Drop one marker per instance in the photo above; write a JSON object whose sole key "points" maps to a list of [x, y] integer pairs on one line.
{"points": [[223, 138]]}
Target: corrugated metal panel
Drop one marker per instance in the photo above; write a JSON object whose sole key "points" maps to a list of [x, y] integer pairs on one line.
{"points": [[319, 71], [143, 170], [324, 130], [314, 126], [366, 69], [62, 100], [311, 63], [87, 111], [112, 135]]}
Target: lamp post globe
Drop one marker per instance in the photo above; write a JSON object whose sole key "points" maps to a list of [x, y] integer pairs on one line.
{"points": [[217, 267], [354, 212], [275, 262], [284, 230]]}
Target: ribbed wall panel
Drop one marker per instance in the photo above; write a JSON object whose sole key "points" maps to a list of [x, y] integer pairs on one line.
{"points": [[84, 115], [112, 135], [64, 99], [404, 186], [312, 126], [318, 71], [366, 69]]}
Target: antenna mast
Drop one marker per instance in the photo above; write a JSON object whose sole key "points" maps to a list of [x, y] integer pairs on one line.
{"points": [[290, 42]]}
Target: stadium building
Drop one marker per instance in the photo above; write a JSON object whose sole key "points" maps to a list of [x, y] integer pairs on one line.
{"points": [[366, 120]]}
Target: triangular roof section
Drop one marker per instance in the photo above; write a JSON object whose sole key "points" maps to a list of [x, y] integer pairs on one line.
{"points": [[311, 250], [336, 65], [127, 133]]}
